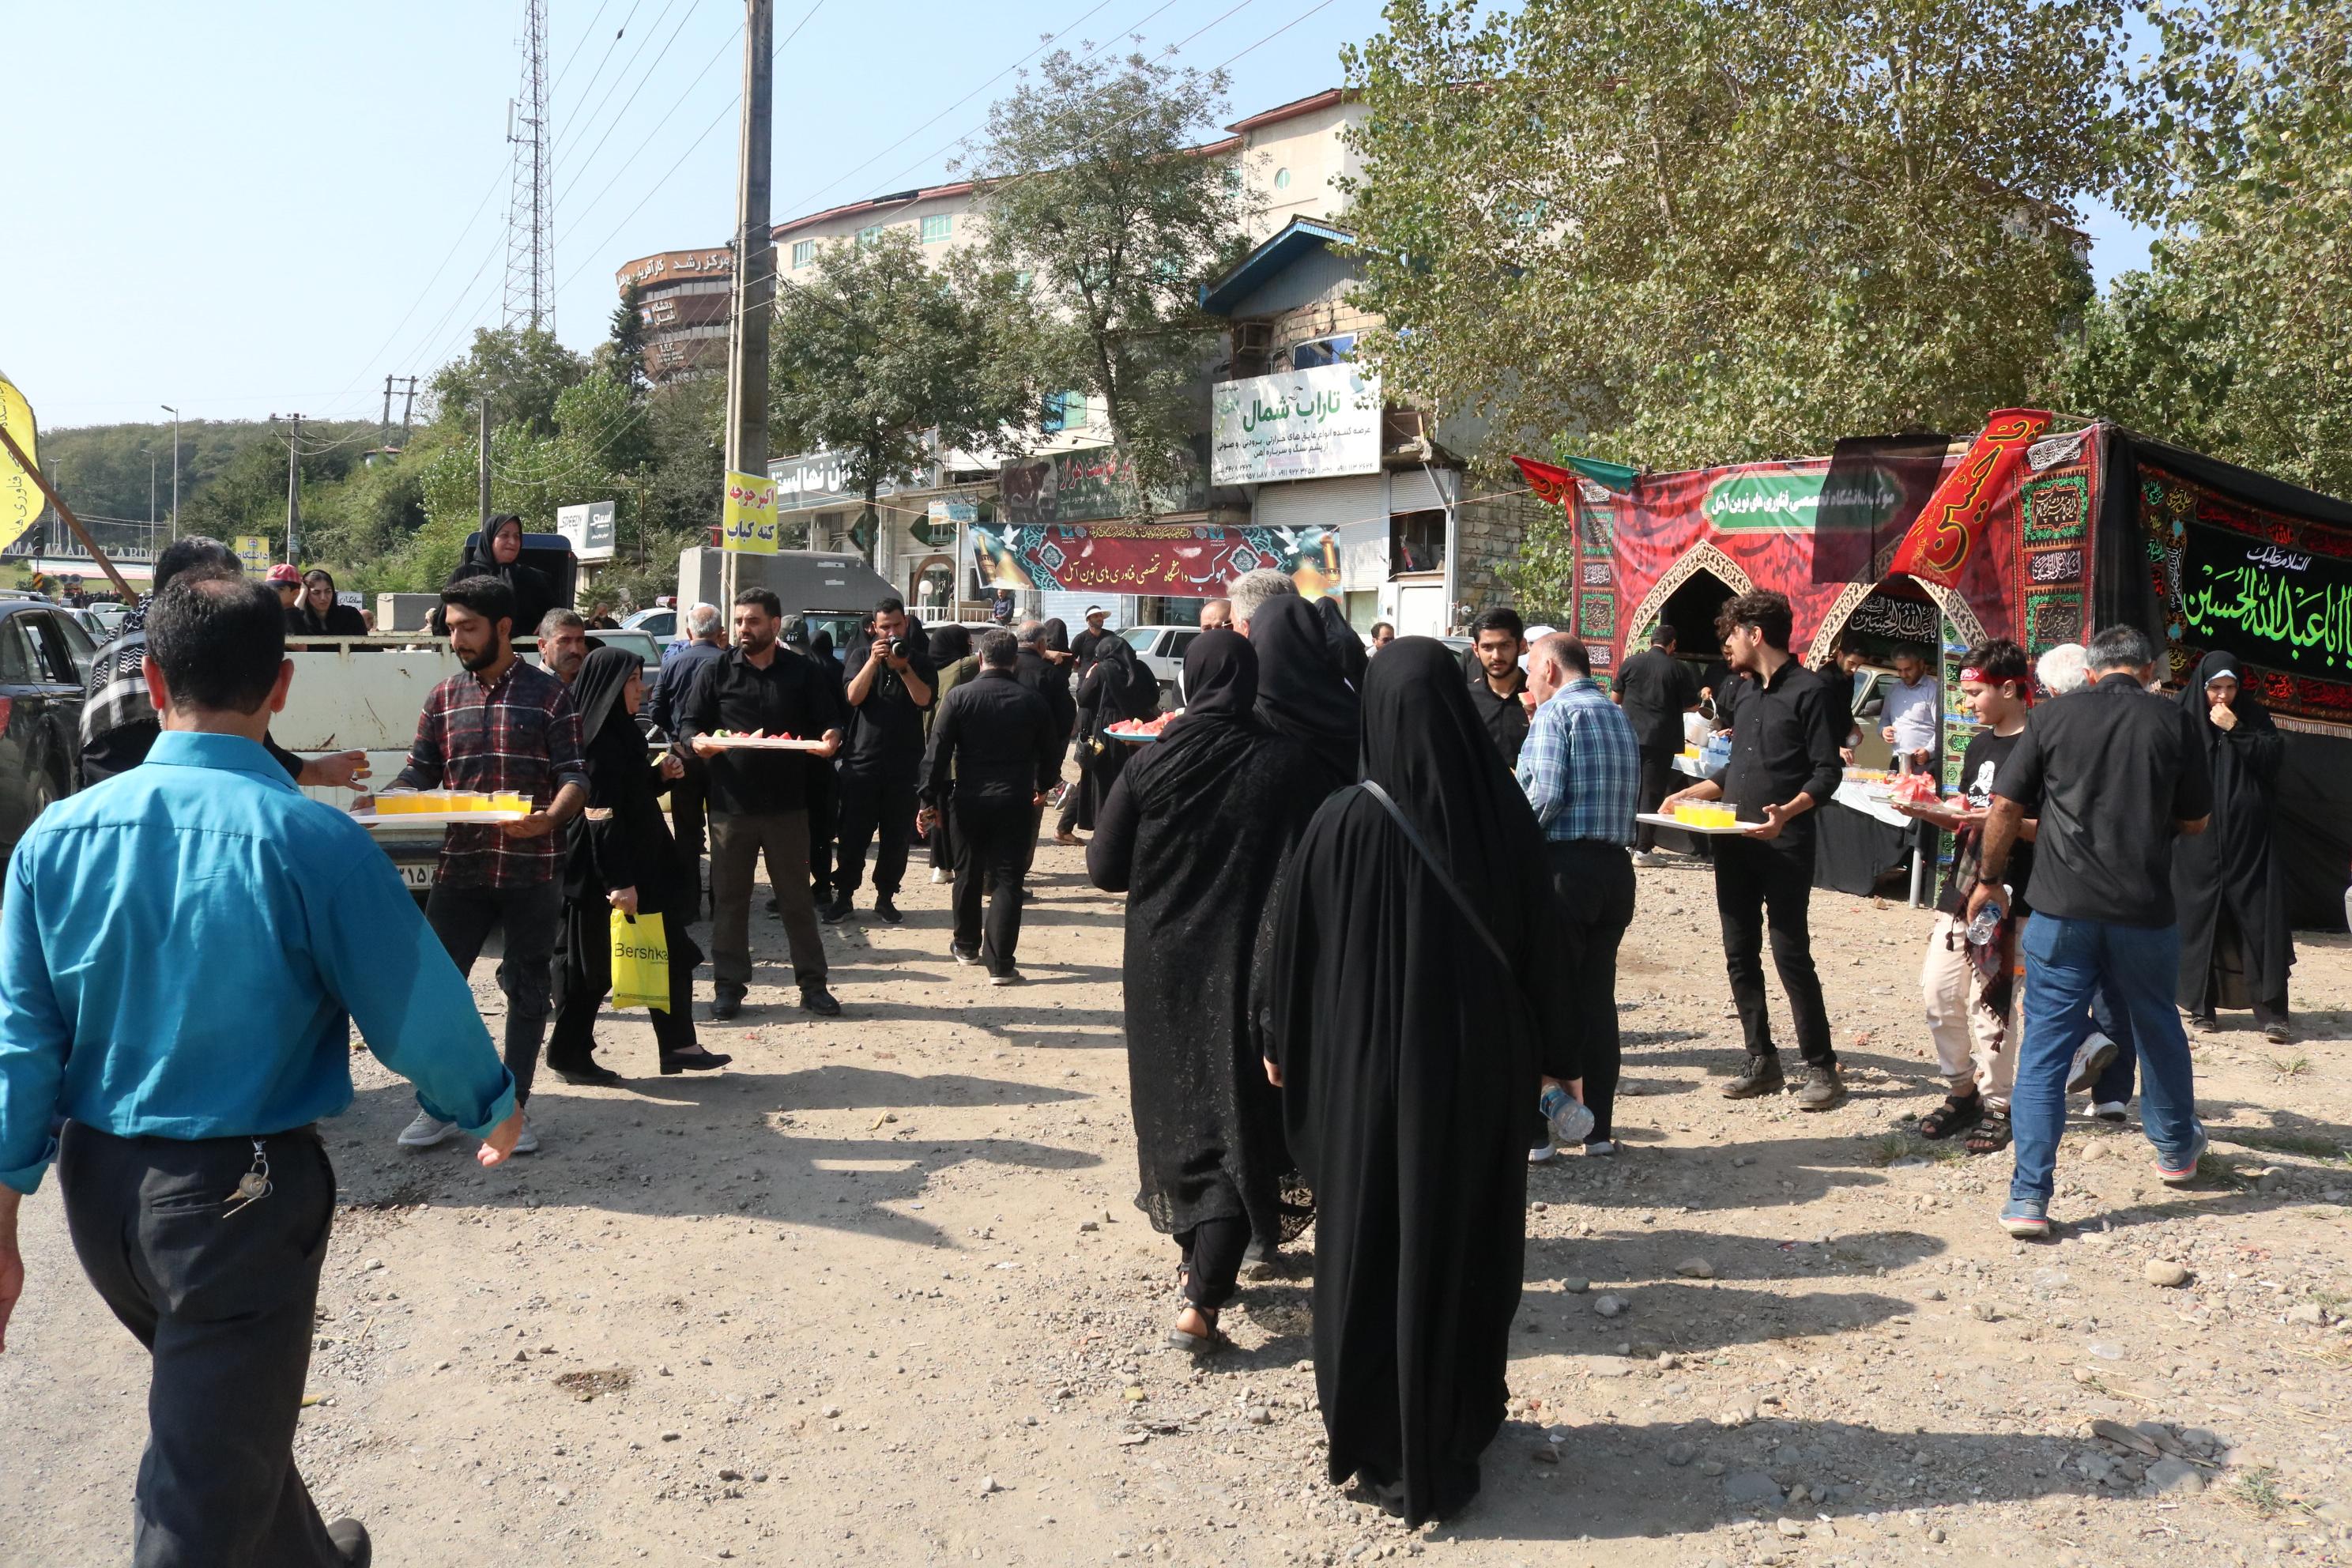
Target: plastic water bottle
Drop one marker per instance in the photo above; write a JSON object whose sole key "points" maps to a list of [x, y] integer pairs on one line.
{"points": [[1988, 922], [1571, 1121]]}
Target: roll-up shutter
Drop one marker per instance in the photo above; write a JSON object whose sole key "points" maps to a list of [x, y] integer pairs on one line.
{"points": [[1352, 505]]}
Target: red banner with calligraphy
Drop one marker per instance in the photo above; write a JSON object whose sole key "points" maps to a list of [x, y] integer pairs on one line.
{"points": [[1937, 547], [1170, 560]]}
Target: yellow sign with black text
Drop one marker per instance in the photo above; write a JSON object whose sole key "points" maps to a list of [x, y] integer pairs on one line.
{"points": [[748, 522]]}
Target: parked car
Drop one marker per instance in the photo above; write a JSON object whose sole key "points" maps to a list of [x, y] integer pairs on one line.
{"points": [[661, 623], [1161, 650], [45, 659]]}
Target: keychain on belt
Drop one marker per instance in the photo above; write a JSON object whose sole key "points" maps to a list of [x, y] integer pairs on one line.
{"points": [[253, 1185]]}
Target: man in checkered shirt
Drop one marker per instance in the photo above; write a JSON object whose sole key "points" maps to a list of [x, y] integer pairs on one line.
{"points": [[499, 724], [1581, 769]]}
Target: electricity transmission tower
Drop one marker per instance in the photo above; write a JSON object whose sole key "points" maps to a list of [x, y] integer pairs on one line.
{"points": [[530, 210]]}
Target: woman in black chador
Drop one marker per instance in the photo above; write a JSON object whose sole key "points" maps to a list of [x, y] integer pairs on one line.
{"points": [[1197, 832], [1303, 691], [2235, 947], [1409, 1009], [1116, 687]]}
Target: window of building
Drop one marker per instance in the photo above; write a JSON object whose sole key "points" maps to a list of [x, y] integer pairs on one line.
{"points": [[803, 252], [1282, 179], [1323, 351], [939, 228], [870, 235], [1063, 410], [1417, 542]]}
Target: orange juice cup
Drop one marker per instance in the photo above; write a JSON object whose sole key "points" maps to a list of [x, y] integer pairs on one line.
{"points": [[509, 800]]}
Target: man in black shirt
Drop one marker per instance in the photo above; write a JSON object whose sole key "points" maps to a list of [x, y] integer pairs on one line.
{"points": [[888, 697], [1499, 640], [1082, 646], [1655, 689], [1784, 762], [1041, 675], [2113, 776], [759, 799], [999, 740]]}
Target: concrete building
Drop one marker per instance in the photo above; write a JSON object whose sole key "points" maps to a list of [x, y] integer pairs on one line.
{"points": [[685, 298]]}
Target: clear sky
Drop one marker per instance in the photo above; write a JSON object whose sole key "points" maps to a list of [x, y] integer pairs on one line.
{"points": [[264, 207]]}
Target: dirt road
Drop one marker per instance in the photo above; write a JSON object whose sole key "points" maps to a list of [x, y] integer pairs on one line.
{"points": [[879, 1294]]}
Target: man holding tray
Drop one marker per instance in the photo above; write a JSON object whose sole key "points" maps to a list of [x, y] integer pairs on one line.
{"points": [[759, 799], [1784, 762]]}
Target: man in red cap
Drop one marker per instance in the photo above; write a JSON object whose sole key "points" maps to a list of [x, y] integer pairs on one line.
{"points": [[287, 578]]}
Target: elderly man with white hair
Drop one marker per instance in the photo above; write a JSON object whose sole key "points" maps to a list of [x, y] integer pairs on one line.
{"points": [[1251, 591], [706, 639]]}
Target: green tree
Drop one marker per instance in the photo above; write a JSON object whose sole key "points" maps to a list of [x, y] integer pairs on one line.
{"points": [[1682, 231], [881, 359], [622, 356], [1099, 211], [526, 369], [2232, 342]]}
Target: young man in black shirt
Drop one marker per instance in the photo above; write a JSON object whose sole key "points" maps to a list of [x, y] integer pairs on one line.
{"points": [[1499, 639], [2113, 776], [888, 697], [1784, 762], [759, 799], [1970, 989], [1001, 743], [1657, 688]]}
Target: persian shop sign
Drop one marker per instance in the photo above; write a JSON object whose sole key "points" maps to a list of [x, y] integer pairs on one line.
{"points": [[1306, 425], [1792, 500]]}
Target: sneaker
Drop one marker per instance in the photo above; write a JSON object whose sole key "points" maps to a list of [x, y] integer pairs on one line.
{"points": [[886, 910], [1760, 1076], [725, 1006], [1603, 1147], [349, 1539], [963, 956], [1644, 857], [2180, 1173], [526, 1140], [1824, 1089], [2026, 1218], [1010, 977], [2096, 1053], [941, 876], [2110, 1111], [425, 1132], [836, 912], [818, 1000], [1543, 1154]]}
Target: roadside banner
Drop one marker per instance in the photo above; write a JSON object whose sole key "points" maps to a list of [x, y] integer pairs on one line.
{"points": [[1936, 548], [255, 553], [1172, 560], [21, 501], [748, 522]]}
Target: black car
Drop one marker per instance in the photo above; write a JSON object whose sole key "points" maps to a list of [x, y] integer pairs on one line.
{"points": [[45, 659]]}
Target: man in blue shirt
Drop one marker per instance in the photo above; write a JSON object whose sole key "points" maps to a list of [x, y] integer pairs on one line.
{"points": [[1580, 766], [197, 1189]]}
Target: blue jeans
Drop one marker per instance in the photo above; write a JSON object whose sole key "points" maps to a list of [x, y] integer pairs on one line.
{"points": [[2066, 961], [2115, 1085]]}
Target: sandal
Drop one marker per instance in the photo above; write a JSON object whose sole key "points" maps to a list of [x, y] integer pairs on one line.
{"points": [[1200, 1344], [1954, 1115], [1991, 1135]]}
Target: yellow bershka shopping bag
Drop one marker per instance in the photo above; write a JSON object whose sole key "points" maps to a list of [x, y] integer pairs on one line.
{"points": [[640, 962]]}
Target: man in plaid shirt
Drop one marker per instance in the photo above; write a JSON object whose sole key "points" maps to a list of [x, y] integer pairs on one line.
{"points": [[1581, 769], [499, 724]]}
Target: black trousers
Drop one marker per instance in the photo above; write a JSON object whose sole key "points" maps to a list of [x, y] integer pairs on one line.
{"points": [[1595, 882], [583, 978], [823, 805], [223, 1303], [1213, 1250], [872, 803], [990, 838], [941, 837], [688, 816], [527, 920], [1756, 884], [1659, 780]]}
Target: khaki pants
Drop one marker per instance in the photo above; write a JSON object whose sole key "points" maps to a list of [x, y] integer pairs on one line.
{"points": [[1975, 1051], [736, 843]]}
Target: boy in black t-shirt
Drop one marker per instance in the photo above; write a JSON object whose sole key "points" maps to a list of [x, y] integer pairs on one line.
{"points": [[1971, 992]]}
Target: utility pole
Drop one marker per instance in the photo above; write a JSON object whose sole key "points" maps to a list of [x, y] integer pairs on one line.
{"points": [[485, 462], [150, 456], [176, 466], [755, 257], [407, 407], [530, 210], [383, 431], [293, 489]]}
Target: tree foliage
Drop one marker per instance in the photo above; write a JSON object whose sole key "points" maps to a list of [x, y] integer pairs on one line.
{"points": [[2233, 341], [877, 357], [1682, 231], [1100, 214], [526, 371]]}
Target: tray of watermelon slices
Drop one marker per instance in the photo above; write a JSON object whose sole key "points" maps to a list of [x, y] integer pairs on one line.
{"points": [[1138, 731], [759, 741]]}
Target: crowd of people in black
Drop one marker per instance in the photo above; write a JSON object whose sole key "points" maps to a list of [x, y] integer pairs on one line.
{"points": [[1373, 903]]}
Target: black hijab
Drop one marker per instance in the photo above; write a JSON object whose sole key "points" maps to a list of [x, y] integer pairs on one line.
{"points": [[1346, 649], [596, 690], [1300, 689], [2248, 708], [1057, 635], [949, 644], [1126, 686]]}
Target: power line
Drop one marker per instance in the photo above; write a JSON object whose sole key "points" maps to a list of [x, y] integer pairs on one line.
{"points": [[586, 34], [595, 76], [723, 49], [588, 119]]}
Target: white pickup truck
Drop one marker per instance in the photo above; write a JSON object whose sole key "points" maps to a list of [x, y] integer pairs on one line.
{"points": [[365, 694]]}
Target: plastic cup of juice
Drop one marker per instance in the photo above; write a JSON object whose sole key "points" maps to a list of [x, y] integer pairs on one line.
{"points": [[396, 804], [509, 800], [428, 800]]}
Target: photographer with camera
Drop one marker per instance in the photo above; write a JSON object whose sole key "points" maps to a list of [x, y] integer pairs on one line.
{"points": [[888, 693]]}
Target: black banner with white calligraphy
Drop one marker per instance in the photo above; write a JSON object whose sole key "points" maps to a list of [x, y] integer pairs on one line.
{"points": [[2288, 609]]}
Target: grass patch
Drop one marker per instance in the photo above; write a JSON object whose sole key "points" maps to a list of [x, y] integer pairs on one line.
{"points": [[2291, 1067], [2257, 1489]]}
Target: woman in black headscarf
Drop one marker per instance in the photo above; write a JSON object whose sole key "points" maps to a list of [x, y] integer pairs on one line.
{"points": [[1300, 689], [498, 553], [1347, 655], [1197, 832], [1404, 1022], [2235, 947], [622, 858], [1116, 687]]}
